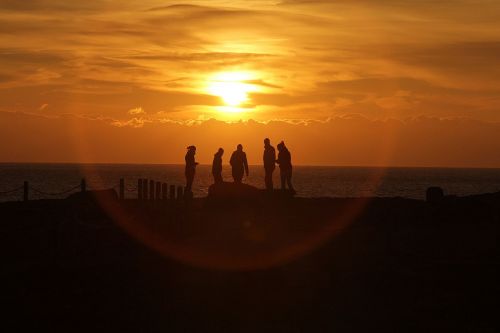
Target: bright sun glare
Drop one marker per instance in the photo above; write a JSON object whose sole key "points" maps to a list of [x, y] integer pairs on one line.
{"points": [[231, 87]]}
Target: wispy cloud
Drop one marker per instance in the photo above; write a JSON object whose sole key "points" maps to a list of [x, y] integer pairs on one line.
{"points": [[312, 59], [350, 140], [135, 111]]}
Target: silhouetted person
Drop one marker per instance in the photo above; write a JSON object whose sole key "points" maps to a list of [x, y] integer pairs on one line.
{"points": [[269, 163], [285, 162], [190, 167], [217, 166], [239, 164]]}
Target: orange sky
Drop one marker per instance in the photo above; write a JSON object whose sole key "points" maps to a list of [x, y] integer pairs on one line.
{"points": [[342, 82]]}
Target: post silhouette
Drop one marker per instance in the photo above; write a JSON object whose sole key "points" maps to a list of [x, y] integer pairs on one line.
{"points": [[145, 189], [151, 190], [25, 191], [158, 191], [164, 191], [139, 189], [180, 193], [83, 185], [172, 192], [122, 189]]}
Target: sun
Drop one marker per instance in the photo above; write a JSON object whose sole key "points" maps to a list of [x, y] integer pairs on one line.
{"points": [[231, 87]]}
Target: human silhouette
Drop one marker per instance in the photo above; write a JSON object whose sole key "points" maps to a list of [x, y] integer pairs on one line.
{"points": [[217, 166], [269, 163], [190, 167], [239, 164], [285, 162]]}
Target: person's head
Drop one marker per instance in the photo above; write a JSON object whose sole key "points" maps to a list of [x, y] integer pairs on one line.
{"points": [[267, 142], [281, 146], [220, 151], [239, 147], [191, 149]]}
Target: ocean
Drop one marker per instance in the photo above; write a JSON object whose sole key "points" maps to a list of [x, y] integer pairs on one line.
{"points": [[46, 180]]}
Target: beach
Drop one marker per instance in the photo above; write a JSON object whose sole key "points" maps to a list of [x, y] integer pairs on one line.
{"points": [[275, 263]]}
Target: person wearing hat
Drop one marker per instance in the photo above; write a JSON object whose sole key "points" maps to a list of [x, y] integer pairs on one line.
{"points": [[190, 167], [239, 164], [269, 159], [217, 166], [285, 162]]}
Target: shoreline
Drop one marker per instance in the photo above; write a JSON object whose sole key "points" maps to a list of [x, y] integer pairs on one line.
{"points": [[258, 165]]}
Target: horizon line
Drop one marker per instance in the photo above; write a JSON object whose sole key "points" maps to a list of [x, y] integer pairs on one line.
{"points": [[253, 165]]}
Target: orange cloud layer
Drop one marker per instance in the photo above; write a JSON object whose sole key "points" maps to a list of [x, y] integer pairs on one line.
{"points": [[141, 68], [356, 140], [377, 58]]}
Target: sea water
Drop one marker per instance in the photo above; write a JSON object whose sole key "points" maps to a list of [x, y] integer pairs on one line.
{"points": [[46, 180]]}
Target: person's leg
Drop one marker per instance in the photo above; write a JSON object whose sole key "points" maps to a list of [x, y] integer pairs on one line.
{"points": [[189, 181], [289, 180], [269, 179], [283, 178], [237, 176]]}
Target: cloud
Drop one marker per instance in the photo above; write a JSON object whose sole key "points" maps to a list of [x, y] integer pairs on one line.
{"points": [[311, 59], [53, 5], [349, 140], [134, 122], [135, 111]]}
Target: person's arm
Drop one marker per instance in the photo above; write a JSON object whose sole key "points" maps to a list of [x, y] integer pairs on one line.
{"points": [[245, 162], [231, 160], [193, 162]]}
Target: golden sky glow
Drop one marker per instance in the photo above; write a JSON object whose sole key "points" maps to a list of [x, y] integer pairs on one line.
{"points": [[232, 87], [143, 63]]}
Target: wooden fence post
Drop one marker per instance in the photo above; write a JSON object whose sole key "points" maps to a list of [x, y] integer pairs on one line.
{"points": [[26, 191], [83, 185], [145, 189], [164, 191], [180, 192], [158, 191], [151, 190], [172, 192], [122, 189], [139, 189]]}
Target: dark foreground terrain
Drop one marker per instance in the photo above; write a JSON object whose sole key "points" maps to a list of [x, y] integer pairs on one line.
{"points": [[271, 263]]}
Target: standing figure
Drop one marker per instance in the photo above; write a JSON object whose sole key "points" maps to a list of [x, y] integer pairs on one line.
{"points": [[190, 167], [269, 163], [239, 164], [285, 162], [217, 166]]}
